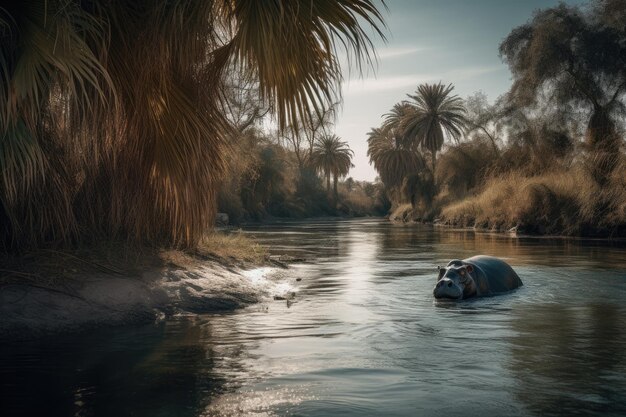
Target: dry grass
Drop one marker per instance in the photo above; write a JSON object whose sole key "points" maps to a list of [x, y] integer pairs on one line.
{"points": [[403, 212], [561, 202], [234, 247], [48, 268], [357, 203]]}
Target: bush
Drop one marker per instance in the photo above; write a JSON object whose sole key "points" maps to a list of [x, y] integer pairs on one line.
{"points": [[567, 202], [463, 167], [360, 199]]}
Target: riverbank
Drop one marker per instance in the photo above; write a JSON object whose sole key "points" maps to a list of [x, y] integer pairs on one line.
{"points": [[561, 203], [51, 291]]}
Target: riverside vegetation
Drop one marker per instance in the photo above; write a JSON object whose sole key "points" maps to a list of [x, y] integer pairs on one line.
{"points": [[545, 158], [125, 125], [120, 125], [118, 120]]}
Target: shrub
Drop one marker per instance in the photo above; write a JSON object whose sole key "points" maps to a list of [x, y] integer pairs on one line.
{"points": [[567, 202]]}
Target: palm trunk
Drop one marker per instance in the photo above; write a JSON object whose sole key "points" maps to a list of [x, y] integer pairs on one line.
{"points": [[433, 156], [335, 193], [328, 182]]}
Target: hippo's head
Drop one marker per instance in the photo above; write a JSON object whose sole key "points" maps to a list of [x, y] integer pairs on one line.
{"points": [[455, 281]]}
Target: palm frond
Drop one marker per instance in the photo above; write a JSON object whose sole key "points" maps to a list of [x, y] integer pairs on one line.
{"points": [[292, 47], [112, 111], [22, 162], [391, 158], [433, 115]]}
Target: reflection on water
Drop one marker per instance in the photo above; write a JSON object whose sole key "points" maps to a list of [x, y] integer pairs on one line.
{"points": [[156, 370], [570, 360], [363, 337]]}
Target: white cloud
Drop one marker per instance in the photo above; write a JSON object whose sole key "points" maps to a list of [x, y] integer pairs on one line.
{"points": [[370, 85], [385, 53], [463, 74]]}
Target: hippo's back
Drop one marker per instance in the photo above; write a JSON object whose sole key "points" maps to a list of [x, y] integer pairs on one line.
{"points": [[500, 276]]}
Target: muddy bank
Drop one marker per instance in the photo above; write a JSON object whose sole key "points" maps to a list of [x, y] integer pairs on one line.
{"points": [[57, 301]]}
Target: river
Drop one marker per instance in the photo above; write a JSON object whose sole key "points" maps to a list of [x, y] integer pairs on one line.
{"points": [[362, 336]]}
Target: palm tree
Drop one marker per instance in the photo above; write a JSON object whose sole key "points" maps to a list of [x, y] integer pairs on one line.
{"points": [[333, 157], [111, 112], [391, 158], [420, 187], [431, 116], [396, 120]]}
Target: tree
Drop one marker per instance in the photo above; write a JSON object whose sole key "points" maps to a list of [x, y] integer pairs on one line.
{"points": [[396, 120], [241, 102], [432, 115], [391, 158], [350, 183], [333, 157], [569, 57], [484, 118], [303, 136], [111, 119]]}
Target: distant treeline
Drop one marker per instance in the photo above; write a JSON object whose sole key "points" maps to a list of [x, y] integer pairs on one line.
{"points": [[547, 157], [267, 179]]}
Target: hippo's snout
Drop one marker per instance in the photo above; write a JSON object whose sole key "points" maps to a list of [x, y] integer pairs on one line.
{"points": [[447, 288]]}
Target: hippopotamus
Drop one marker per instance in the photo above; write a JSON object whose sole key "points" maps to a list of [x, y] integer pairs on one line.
{"points": [[478, 276]]}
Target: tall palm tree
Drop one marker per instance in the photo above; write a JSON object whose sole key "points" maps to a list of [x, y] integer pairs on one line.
{"points": [[111, 116], [432, 115], [333, 157]]}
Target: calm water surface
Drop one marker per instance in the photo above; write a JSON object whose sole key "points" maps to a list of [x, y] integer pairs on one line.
{"points": [[363, 336]]}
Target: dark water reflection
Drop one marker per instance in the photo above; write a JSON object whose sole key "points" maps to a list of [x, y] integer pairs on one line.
{"points": [[363, 337], [578, 352]]}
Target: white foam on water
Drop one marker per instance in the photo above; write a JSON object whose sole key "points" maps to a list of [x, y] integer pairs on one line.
{"points": [[270, 281]]}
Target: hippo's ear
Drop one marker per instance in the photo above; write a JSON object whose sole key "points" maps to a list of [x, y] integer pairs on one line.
{"points": [[469, 268], [455, 262]]}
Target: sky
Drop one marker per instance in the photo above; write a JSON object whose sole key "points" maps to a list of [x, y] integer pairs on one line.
{"points": [[453, 41]]}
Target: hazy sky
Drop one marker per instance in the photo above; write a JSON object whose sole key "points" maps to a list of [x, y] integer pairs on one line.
{"points": [[453, 41]]}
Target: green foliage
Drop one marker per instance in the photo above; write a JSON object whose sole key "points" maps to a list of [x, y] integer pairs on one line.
{"points": [[484, 119], [310, 198], [363, 198]]}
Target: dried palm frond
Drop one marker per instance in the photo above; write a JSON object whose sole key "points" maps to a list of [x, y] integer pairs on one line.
{"points": [[111, 113]]}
